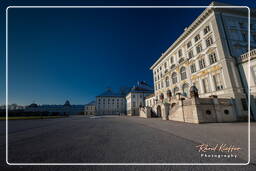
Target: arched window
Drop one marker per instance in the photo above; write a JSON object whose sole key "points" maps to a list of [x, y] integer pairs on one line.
{"points": [[183, 74], [185, 89], [175, 91], [174, 78], [167, 82]]}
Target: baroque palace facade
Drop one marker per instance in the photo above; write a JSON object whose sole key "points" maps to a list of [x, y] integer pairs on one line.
{"points": [[206, 56]]}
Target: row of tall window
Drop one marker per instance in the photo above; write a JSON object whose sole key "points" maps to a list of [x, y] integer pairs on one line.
{"points": [[110, 100], [208, 42], [183, 75], [133, 96], [212, 59], [206, 87], [110, 103], [198, 37]]}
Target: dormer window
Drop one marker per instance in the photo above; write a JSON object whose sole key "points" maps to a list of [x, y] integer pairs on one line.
{"points": [[180, 53], [206, 29], [197, 38]]}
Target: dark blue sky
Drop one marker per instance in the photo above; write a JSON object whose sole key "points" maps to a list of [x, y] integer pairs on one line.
{"points": [[75, 54]]}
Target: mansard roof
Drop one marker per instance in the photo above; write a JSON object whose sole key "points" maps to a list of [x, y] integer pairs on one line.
{"points": [[142, 86], [110, 93], [91, 103]]}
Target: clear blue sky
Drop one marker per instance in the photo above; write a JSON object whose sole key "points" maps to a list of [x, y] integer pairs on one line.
{"points": [[75, 54]]}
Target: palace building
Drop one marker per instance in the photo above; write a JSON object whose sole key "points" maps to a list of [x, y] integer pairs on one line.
{"points": [[136, 98], [110, 103], [206, 57]]}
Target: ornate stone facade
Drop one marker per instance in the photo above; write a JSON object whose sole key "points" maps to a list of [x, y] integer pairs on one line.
{"points": [[206, 56], [110, 103]]}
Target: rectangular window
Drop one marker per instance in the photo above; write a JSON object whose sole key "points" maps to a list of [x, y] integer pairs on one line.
{"points": [[174, 79], [199, 48], [180, 53], [206, 85], [133, 104], [209, 41], [201, 63], [193, 68], [206, 29], [212, 58], [241, 25], [189, 44], [190, 54], [171, 59], [218, 82], [244, 36], [197, 38]]}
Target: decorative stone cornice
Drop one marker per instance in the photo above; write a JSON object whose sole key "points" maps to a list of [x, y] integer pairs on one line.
{"points": [[245, 57], [214, 6], [189, 30]]}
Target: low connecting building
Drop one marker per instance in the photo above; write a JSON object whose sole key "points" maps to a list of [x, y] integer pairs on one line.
{"points": [[207, 57], [66, 109], [136, 98], [90, 108]]}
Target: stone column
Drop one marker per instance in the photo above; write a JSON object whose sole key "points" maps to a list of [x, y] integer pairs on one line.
{"points": [[212, 84]]}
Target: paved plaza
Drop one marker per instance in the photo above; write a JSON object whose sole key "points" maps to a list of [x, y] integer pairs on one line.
{"points": [[121, 139]]}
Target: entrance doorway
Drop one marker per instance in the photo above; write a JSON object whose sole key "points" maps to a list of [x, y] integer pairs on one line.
{"points": [[159, 112]]}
